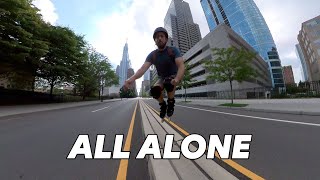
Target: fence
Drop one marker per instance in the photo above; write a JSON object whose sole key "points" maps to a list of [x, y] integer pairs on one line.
{"points": [[250, 93], [13, 97]]}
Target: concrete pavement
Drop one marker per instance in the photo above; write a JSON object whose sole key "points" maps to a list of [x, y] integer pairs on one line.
{"points": [[23, 109], [283, 145], [291, 106], [35, 145]]}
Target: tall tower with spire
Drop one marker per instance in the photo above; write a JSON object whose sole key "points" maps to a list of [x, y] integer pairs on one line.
{"points": [[125, 64]]}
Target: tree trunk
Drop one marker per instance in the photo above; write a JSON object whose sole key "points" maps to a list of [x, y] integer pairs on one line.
{"points": [[51, 91], [185, 94], [33, 84], [231, 92], [83, 93], [102, 94]]}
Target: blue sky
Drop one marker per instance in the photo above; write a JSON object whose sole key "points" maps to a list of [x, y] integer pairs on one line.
{"points": [[107, 24], [81, 16]]}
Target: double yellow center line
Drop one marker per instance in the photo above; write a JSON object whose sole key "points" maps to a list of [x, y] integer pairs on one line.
{"points": [[231, 163], [123, 167]]}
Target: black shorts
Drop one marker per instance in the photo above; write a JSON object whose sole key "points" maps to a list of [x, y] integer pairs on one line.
{"points": [[160, 81]]}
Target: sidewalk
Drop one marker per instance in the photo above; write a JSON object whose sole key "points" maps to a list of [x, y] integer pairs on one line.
{"points": [[22, 109], [291, 106]]}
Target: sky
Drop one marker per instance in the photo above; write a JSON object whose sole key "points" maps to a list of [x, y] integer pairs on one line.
{"points": [[109, 24]]}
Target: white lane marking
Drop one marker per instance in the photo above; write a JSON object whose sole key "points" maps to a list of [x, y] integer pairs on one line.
{"points": [[5, 120], [100, 109], [255, 117]]}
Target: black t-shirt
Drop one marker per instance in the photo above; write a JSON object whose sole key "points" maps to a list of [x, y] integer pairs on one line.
{"points": [[164, 61]]}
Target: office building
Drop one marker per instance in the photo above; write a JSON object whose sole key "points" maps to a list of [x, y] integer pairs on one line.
{"points": [[288, 75], [223, 37], [183, 32], [309, 41], [245, 18], [125, 64]]}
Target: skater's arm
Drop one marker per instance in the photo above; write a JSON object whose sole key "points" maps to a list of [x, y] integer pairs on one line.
{"points": [[140, 72], [181, 69]]}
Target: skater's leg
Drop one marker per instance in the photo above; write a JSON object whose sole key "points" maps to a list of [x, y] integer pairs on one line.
{"points": [[171, 102], [157, 93]]}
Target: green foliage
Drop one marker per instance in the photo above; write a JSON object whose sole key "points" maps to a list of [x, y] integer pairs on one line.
{"points": [[230, 65], [145, 94], [94, 73], [233, 105], [31, 49], [128, 93], [21, 39], [57, 65], [292, 89], [186, 81]]}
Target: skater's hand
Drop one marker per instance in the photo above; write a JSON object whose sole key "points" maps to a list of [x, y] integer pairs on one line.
{"points": [[127, 84], [174, 81]]}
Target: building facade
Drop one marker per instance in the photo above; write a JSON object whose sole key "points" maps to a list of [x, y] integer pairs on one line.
{"points": [[304, 66], [288, 75], [309, 41], [130, 73], [118, 71], [245, 18], [125, 64], [145, 88], [146, 75], [183, 32], [223, 37]]}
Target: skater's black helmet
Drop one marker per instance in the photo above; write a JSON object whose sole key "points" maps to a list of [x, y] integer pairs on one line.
{"points": [[160, 29]]}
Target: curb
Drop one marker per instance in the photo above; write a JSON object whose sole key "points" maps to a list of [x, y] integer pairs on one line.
{"points": [[272, 111], [56, 108]]}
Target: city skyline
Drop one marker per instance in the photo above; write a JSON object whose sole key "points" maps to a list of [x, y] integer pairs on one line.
{"points": [[100, 24]]}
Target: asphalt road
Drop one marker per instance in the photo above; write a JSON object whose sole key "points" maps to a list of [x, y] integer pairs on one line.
{"points": [[35, 146], [283, 146]]}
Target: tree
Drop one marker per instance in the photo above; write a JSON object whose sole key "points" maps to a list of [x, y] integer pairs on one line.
{"points": [[186, 81], [57, 65], [94, 73], [21, 41], [230, 65], [292, 88], [127, 93]]}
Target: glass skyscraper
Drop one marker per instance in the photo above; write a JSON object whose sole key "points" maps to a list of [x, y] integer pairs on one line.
{"points": [[244, 17]]}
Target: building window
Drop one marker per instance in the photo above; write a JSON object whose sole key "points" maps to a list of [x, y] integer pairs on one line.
{"points": [[277, 71], [275, 63], [278, 81]]}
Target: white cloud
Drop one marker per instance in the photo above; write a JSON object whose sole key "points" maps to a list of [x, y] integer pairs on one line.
{"points": [[135, 23], [137, 19], [47, 10], [284, 19]]}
